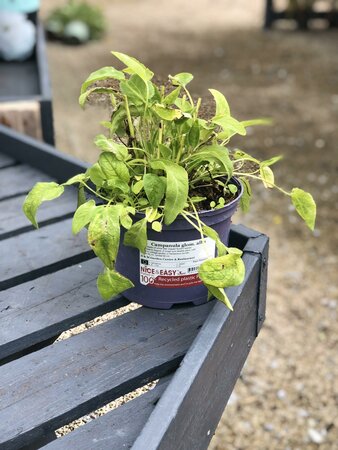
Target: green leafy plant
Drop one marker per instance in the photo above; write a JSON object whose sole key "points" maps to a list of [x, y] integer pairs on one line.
{"points": [[161, 159], [76, 20]]}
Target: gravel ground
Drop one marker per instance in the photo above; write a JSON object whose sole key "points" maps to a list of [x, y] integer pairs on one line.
{"points": [[287, 396]]}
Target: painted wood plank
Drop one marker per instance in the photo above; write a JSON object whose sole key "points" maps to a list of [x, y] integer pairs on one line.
{"points": [[53, 386], [39, 252], [18, 180], [188, 413], [6, 161], [118, 429], [13, 221], [42, 156], [36, 311]]}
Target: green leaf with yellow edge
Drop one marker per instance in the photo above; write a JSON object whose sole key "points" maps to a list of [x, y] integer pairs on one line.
{"points": [[229, 124], [222, 106], [134, 66], [105, 73], [111, 283], [213, 153], [181, 79], [104, 234], [176, 189], [83, 215], [80, 178], [167, 113], [136, 236], [211, 233], [172, 96], [220, 295], [41, 192], [267, 176], [108, 145], [156, 226], [223, 271], [305, 206]]}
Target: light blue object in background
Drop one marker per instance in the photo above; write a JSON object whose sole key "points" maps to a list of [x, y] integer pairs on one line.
{"points": [[24, 6]]}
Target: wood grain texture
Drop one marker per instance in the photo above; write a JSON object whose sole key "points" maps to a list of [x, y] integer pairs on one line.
{"points": [[23, 116], [117, 429], [35, 311], [39, 252], [13, 221], [51, 387], [18, 180]]}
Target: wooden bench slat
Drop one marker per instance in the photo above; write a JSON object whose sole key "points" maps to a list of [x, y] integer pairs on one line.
{"points": [[18, 180], [6, 161], [53, 386], [38, 310], [13, 221], [192, 405], [39, 252], [118, 429]]}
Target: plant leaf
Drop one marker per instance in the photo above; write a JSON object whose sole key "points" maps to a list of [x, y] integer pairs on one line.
{"points": [[96, 174], [104, 234], [154, 187], [112, 168], [83, 215], [220, 295], [111, 283], [105, 73], [194, 135], [246, 195], [267, 176], [135, 89], [108, 145], [305, 206], [41, 192], [214, 153], [254, 122], [156, 226], [76, 179], [222, 106], [223, 271], [172, 96], [229, 124], [136, 236], [176, 190], [96, 90], [134, 66], [211, 233], [166, 113], [181, 79]]}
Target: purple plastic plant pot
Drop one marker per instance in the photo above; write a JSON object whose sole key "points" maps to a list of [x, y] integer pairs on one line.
{"points": [[167, 274]]}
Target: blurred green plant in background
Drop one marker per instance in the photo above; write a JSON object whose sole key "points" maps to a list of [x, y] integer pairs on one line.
{"points": [[76, 22]]}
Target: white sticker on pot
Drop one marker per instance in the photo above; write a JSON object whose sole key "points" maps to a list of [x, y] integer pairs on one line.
{"points": [[174, 264]]}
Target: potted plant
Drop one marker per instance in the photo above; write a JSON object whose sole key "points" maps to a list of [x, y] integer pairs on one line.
{"points": [[159, 200]]}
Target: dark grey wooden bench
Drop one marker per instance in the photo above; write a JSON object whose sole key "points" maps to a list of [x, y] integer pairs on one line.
{"points": [[48, 285], [28, 81]]}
